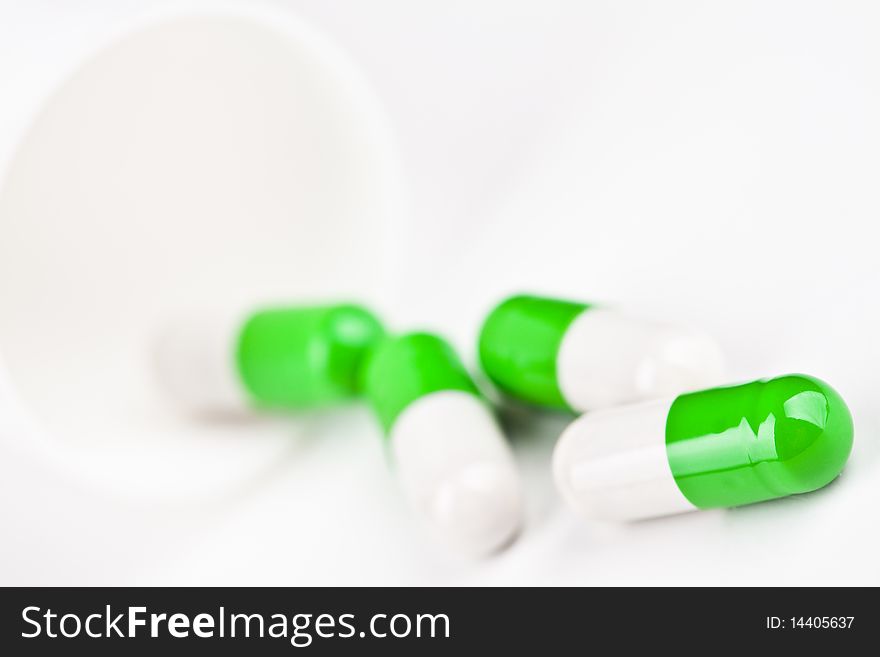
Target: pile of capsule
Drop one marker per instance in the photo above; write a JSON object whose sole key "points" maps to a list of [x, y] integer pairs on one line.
{"points": [[654, 436]]}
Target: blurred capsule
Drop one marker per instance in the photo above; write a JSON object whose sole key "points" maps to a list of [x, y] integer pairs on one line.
{"points": [[453, 462], [570, 355], [285, 358]]}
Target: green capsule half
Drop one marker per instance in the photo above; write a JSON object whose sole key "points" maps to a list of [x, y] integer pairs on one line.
{"points": [[407, 368], [306, 357], [519, 346]]}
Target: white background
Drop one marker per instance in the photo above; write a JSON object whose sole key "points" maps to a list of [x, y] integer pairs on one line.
{"points": [[715, 163]]}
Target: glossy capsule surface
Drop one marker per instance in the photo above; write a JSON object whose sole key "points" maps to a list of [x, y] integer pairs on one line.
{"points": [[722, 447]]}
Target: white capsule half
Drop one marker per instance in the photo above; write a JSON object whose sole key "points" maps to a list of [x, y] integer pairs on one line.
{"points": [[194, 359], [456, 469], [607, 358], [612, 464]]}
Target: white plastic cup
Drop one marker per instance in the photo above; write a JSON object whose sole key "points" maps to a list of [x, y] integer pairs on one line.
{"points": [[153, 159]]}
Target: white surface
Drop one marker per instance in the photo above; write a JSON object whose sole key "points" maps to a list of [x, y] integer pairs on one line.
{"points": [[607, 358], [456, 470], [195, 364], [714, 164], [612, 464]]}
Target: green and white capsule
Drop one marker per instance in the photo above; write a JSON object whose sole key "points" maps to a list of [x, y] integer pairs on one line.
{"points": [[453, 462], [275, 358], [722, 447], [575, 356]]}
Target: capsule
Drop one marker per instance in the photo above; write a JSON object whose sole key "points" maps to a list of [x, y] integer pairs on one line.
{"points": [[454, 465], [275, 358], [722, 447], [574, 356]]}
